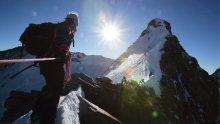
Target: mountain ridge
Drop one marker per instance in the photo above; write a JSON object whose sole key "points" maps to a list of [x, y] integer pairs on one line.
{"points": [[159, 76]]}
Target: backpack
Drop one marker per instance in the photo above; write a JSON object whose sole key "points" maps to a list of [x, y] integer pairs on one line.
{"points": [[38, 38]]}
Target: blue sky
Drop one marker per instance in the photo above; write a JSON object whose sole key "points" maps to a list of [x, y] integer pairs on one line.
{"points": [[194, 22]]}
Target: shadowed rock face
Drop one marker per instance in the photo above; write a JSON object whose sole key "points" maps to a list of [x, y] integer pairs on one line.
{"points": [[101, 92], [90, 113], [18, 104], [216, 75], [188, 90]]}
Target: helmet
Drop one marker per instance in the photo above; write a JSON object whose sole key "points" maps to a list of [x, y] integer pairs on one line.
{"points": [[74, 17]]}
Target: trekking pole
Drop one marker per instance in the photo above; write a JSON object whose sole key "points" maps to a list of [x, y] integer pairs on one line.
{"points": [[21, 71]]}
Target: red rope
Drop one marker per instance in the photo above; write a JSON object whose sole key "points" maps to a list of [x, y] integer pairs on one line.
{"points": [[26, 60]]}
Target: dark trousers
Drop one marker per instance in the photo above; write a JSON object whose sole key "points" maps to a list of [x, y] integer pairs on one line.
{"points": [[46, 105]]}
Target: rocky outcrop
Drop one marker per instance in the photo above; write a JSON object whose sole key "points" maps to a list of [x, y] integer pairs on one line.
{"points": [[18, 104], [100, 91], [99, 105], [104, 94], [186, 89], [90, 113], [154, 23]]}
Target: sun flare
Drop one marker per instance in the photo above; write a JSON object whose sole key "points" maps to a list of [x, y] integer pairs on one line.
{"points": [[110, 34]]}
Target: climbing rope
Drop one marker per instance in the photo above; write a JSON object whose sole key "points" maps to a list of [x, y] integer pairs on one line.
{"points": [[26, 60]]}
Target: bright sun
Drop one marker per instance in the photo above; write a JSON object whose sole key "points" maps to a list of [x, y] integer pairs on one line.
{"points": [[111, 35]]}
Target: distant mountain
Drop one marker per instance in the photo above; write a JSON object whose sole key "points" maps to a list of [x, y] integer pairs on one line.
{"points": [[31, 78], [182, 91]]}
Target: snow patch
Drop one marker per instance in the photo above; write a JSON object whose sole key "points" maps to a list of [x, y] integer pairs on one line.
{"points": [[67, 110], [25, 119], [126, 68]]}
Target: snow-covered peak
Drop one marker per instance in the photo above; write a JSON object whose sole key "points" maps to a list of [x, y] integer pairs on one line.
{"points": [[150, 37], [158, 22], [141, 61]]}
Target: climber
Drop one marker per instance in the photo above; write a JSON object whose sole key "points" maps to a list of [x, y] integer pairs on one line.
{"points": [[44, 110]]}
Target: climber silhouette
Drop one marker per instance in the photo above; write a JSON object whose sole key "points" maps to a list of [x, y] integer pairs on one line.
{"points": [[44, 111]]}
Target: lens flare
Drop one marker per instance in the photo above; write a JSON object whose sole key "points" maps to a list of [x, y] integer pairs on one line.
{"points": [[129, 72], [154, 114]]}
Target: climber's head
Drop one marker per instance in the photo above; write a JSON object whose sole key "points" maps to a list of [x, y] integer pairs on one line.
{"points": [[73, 18]]}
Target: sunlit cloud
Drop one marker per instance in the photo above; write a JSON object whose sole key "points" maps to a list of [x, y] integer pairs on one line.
{"points": [[34, 13]]}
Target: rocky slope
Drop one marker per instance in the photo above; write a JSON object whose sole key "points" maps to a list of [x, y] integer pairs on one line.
{"points": [[186, 89]]}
